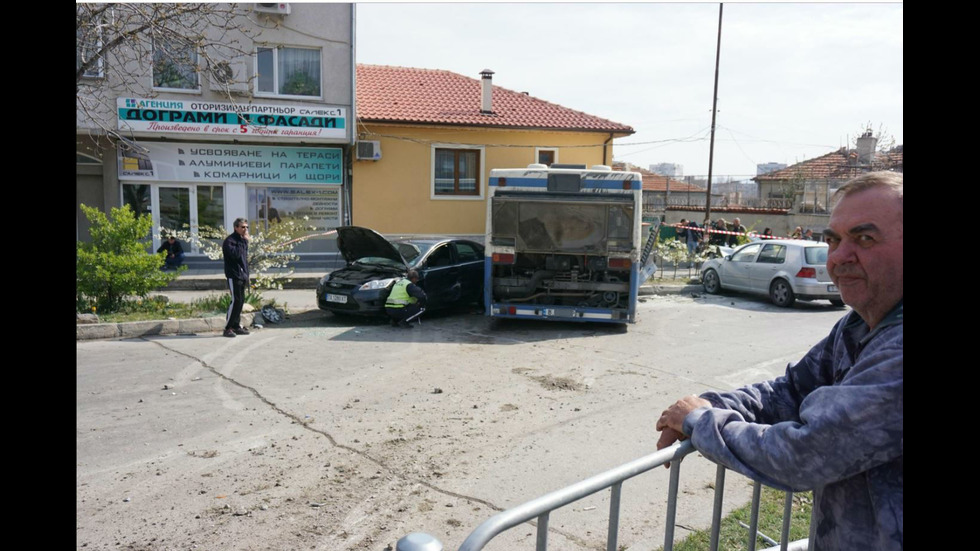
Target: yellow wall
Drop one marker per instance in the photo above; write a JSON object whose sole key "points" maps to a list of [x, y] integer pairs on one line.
{"points": [[394, 195]]}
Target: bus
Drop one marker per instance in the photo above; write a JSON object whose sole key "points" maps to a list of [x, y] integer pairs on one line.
{"points": [[564, 243]]}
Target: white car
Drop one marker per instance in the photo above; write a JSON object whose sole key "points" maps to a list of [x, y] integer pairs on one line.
{"points": [[785, 269]]}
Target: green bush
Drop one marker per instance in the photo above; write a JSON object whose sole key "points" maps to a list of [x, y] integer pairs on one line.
{"points": [[116, 266]]}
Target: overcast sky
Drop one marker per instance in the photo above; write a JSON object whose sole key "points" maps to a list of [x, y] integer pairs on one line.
{"points": [[795, 81]]}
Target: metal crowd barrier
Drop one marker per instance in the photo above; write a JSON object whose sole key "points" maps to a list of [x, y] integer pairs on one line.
{"points": [[541, 507]]}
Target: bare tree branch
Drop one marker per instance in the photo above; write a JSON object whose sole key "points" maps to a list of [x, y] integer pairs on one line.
{"points": [[124, 50]]}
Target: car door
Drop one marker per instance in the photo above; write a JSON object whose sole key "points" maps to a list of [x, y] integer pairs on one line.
{"points": [[440, 276], [469, 258], [771, 259], [738, 269]]}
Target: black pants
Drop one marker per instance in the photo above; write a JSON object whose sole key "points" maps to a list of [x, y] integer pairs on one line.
{"points": [[234, 318], [404, 313]]}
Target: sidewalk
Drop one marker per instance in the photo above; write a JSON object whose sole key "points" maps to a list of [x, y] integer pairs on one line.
{"points": [[201, 280]]}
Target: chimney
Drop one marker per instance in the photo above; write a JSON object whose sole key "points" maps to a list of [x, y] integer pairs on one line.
{"points": [[486, 87], [866, 146]]}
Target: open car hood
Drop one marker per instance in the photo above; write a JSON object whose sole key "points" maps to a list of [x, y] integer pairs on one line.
{"points": [[356, 242]]}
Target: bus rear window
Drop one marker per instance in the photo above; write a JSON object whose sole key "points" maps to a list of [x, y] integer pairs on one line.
{"points": [[549, 227]]}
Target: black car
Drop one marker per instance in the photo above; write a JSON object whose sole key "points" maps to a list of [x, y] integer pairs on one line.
{"points": [[450, 271]]}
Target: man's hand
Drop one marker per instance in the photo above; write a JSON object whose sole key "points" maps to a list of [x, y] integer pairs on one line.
{"points": [[673, 416], [668, 436], [671, 422]]}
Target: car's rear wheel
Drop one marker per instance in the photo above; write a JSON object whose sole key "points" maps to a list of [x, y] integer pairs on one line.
{"points": [[711, 282], [837, 302], [781, 294]]}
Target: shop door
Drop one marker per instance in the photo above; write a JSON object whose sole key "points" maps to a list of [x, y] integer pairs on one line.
{"points": [[175, 208], [173, 212]]}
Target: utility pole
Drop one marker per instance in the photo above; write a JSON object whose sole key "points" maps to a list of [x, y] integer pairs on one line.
{"points": [[714, 111]]}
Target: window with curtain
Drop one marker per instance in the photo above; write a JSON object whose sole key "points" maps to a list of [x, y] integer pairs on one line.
{"points": [[457, 172], [288, 71]]}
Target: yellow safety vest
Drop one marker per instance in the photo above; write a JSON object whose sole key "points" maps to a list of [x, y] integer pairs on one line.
{"points": [[399, 297]]}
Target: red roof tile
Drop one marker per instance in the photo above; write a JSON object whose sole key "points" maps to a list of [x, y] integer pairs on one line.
{"points": [[838, 164], [409, 95]]}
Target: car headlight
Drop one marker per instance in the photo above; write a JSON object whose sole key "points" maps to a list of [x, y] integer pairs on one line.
{"points": [[376, 284]]}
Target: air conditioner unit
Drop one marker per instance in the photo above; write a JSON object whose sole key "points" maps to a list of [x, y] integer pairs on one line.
{"points": [[368, 151], [281, 8], [229, 76]]}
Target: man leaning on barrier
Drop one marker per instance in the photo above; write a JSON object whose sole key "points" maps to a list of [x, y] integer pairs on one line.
{"points": [[833, 423]]}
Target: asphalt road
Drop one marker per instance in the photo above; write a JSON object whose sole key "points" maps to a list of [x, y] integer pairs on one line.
{"points": [[339, 434]]}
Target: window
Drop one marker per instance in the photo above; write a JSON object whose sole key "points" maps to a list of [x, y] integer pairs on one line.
{"points": [[286, 71], [456, 172], [87, 43], [467, 252], [137, 196], [174, 65], [815, 255], [546, 156], [175, 207], [442, 256], [747, 254], [210, 206], [316, 208], [772, 254]]}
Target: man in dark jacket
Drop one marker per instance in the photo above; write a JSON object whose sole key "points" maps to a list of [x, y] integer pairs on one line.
{"points": [[175, 253], [736, 227], [235, 252], [406, 300]]}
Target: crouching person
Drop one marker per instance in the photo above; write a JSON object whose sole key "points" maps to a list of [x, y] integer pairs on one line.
{"points": [[406, 301]]}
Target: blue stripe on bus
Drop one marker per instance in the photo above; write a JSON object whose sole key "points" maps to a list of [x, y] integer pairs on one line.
{"points": [[543, 183]]}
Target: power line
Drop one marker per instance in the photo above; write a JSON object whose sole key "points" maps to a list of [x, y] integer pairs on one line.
{"points": [[660, 143]]}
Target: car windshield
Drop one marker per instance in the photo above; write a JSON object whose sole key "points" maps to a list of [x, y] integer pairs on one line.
{"points": [[412, 251], [815, 255]]}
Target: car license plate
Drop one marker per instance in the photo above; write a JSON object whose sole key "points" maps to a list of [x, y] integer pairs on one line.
{"points": [[337, 298], [831, 288]]}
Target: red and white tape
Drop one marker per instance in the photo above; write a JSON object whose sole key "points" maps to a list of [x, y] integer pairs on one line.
{"points": [[726, 232]]}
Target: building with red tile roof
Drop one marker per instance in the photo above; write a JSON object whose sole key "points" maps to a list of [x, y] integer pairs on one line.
{"points": [[808, 185], [438, 134], [387, 94], [837, 165]]}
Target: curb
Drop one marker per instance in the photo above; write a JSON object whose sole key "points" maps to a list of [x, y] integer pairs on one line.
{"points": [[135, 329], [670, 289]]}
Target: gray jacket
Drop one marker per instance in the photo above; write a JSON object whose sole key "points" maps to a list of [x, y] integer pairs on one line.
{"points": [[833, 424]]}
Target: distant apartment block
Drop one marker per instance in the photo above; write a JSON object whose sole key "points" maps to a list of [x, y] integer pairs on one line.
{"points": [[763, 168], [668, 169]]}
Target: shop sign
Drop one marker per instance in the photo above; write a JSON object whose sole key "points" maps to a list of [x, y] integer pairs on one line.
{"points": [[219, 163], [166, 116]]}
